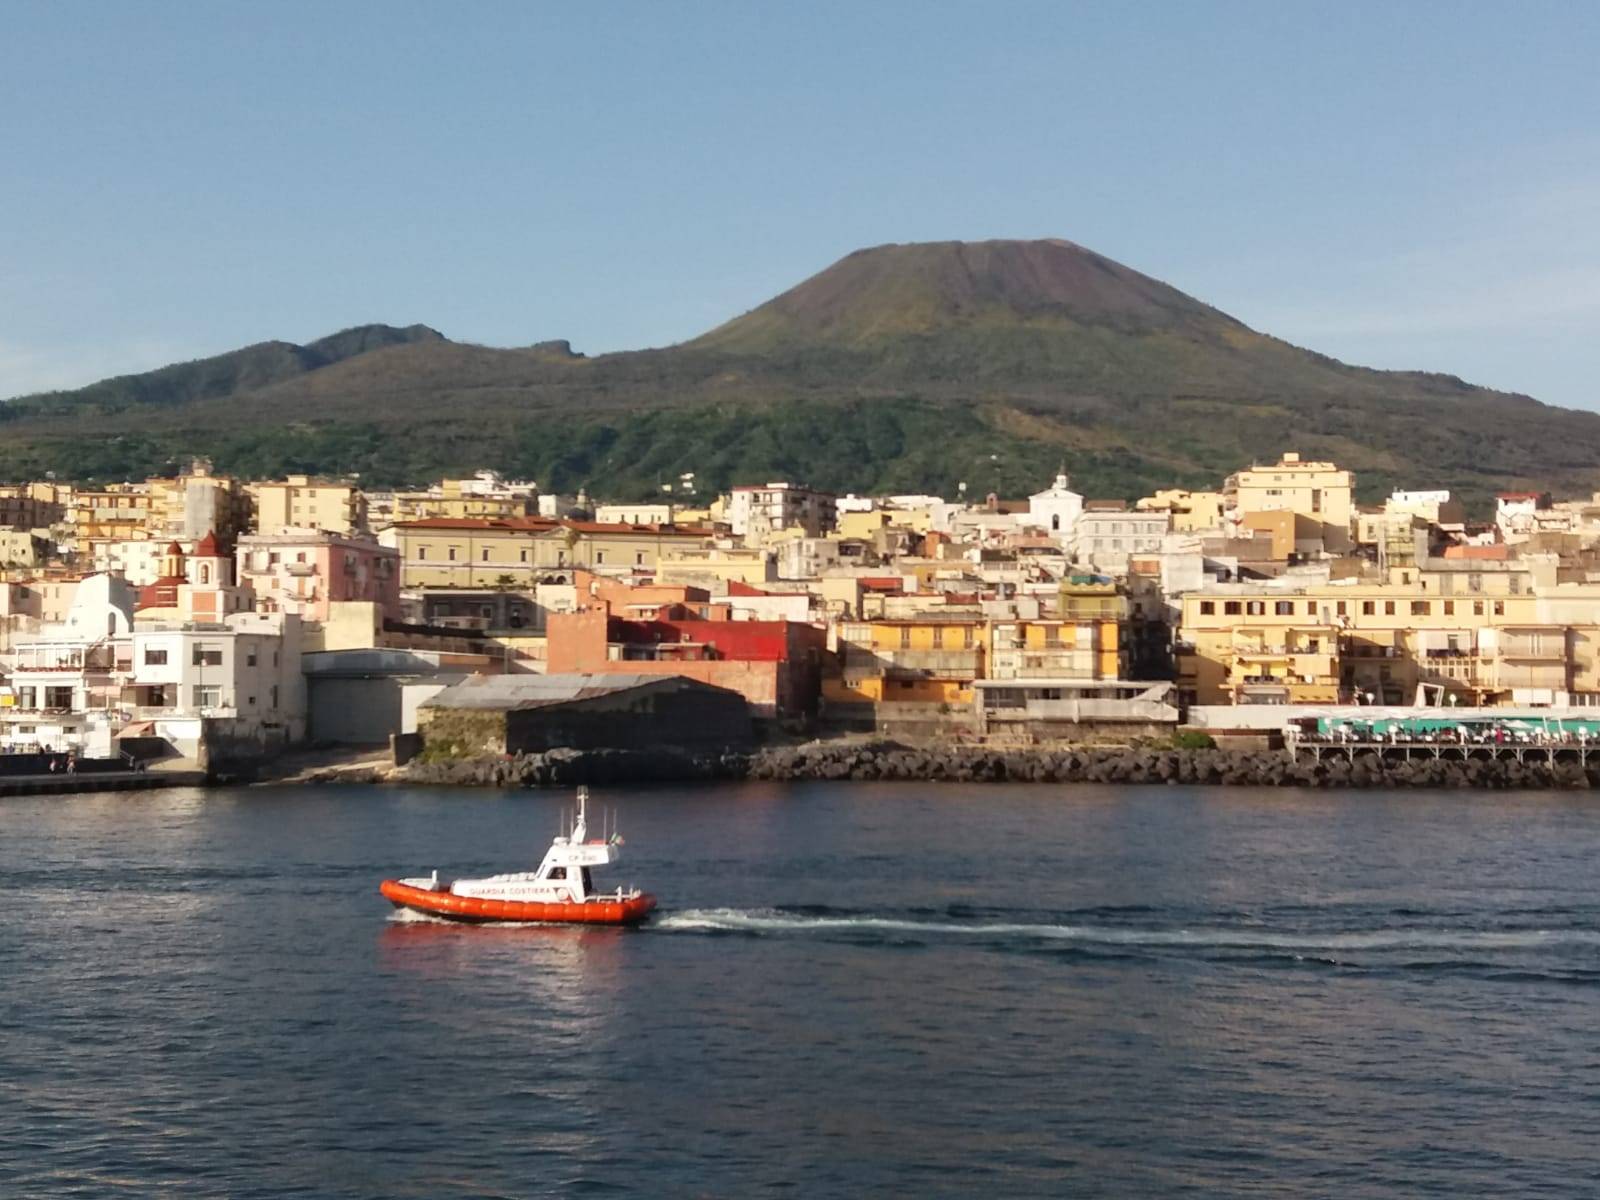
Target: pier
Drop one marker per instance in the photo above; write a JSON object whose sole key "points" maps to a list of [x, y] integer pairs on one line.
{"points": [[1386, 750], [62, 783]]}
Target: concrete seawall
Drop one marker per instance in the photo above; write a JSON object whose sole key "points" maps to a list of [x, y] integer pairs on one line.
{"points": [[99, 781], [963, 764]]}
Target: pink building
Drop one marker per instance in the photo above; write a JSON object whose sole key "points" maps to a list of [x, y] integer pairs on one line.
{"points": [[305, 571]]}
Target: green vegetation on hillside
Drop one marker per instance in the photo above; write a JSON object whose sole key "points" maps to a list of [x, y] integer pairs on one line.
{"points": [[899, 368]]}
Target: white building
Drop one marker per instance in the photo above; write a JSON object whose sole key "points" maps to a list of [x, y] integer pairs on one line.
{"points": [[806, 557], [65, 683], [236, 681], [136, 560], [756, 512], [1515, 514], [1436, 507], [1104, 538], [1056, 509]]}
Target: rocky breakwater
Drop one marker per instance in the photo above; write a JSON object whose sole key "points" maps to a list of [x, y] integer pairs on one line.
{"points": [[1140, 765], [826, 761], [567, 768]]}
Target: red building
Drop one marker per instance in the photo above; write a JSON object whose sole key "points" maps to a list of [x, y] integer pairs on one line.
{"points": [[774, 665]]}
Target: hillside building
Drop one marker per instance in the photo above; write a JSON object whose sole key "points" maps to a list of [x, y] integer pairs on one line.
{"points": [[1318, 491]]}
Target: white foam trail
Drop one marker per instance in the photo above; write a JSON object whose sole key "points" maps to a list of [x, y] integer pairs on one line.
{"points": [[410, 916], [770, 921]]}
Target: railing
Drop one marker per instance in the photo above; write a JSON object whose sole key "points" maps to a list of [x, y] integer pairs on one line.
{"points": [[926, 663]]}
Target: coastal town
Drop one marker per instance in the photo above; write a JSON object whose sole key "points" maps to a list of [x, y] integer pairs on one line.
{"points": [[175, 620]]}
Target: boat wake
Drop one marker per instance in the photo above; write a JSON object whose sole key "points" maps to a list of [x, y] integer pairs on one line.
{"points": [[410, 916], [1237, 939]]}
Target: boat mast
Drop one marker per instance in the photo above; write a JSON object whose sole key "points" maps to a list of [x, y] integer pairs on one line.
{"points": [[580, 831]]}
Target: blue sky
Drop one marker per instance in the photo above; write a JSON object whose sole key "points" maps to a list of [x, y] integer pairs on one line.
{"points": [[1412, 185]]}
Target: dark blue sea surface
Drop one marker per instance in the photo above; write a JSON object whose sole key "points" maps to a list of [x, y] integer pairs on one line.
{"points": [[850, 990]]}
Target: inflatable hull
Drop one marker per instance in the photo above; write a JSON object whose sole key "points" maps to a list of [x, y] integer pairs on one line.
{"points": [[478, 911]]}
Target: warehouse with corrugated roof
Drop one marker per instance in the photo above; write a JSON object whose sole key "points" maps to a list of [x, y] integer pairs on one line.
{"points": [[527, 714]]}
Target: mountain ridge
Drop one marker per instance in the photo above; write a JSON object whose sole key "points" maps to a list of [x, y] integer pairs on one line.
{"points": [[910, 366]]}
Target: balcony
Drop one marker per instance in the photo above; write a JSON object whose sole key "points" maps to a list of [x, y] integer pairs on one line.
{"points": [[1052, 663], [1533, 653], [912, 664]]}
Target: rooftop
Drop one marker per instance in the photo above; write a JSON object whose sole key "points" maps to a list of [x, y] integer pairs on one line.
{"points": [[524, 692]]}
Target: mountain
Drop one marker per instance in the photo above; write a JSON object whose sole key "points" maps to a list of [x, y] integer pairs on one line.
{"points": [[938, 288], [904, 367], [223, 375]]}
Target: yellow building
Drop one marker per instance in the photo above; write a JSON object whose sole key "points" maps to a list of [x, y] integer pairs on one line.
{"points": [[33, 505], [462, 499], [185, 508], [1089, 648], [1400, 537], [715, 567], [301, 502], [1380, 642], [1190, 511], [864, 525], [920, 660], [518, 552], [119, 512], [1319, 491], [196, 503]]}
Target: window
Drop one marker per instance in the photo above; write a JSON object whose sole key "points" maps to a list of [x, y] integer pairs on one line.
{"points": [[905, 637], [207, 656], [26, 696], [1421, 608], [207, 695], [557, 873], [422, 553], [1499, 608], [1283, 608], [154, 657], [274, 695], [1255, 608], [966, 637], [1230, 608], [1388, 608], [451, 554], [1449, 608], [1341, 608], [938, 637], [1477, 608], [486, 554], [1207, 608], [599, 556], [638, 559], [250, 659]]}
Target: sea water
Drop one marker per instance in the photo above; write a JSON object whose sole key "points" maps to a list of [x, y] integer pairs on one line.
{"points": [[849, 989]]}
